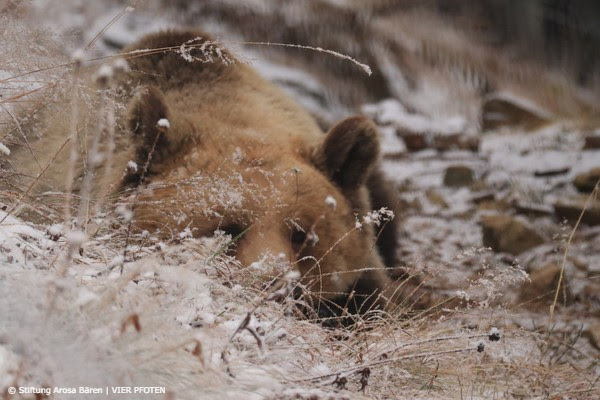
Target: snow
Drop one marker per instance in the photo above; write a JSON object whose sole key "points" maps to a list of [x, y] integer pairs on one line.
{"points": [[117, 261], [376, 217], [163, 123], [85, 297], [124, 212], [522, 103], [76, 237], [104, 72], [21, 244], [550, 148], [331, 202], [426, 169], [56, 230], [78, 56], [392, 112], [4, 150], [132, 166], [389, 141], [120, 65]]}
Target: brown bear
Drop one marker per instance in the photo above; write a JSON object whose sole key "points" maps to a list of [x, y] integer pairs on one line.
{"points": [[233, 153]]}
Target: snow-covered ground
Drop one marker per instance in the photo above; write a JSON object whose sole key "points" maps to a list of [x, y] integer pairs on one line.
{"points": [[182, 316]]}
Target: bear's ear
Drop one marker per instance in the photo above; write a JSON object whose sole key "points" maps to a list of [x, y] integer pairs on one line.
{"points": [[156, 141], [350, 151], [147, 107]]}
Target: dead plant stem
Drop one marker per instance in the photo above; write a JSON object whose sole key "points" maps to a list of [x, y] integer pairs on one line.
{"points": [[567, 247]]}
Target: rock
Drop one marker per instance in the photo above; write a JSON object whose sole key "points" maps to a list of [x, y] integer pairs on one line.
{"points": [[412, 206], [417, 140], [507, 234], [459, 176], [586, 182], [542, 286], [592, 333], [579, 263], [571, 210], [501, 110], [592, 142], [533, 210], [483, 196], [456, 141], [589, 296], [414, 141], [499, 205], [551, 172], [436, 199], [428, 137]]}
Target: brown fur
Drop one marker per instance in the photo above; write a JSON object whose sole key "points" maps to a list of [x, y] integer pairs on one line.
{"points": [[241, 156]]}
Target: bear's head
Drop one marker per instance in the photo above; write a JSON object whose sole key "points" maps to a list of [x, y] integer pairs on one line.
{"points": [[281, 196]]}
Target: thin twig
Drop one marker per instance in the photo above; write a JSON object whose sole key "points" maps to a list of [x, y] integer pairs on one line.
{"points": [[107, 26], [73, 152], [147, 52], [355, 369], [93, 156], [138, 191], [568, 246], [37, 178], [20, 129]]}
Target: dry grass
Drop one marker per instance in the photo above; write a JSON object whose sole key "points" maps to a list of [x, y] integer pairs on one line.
{"points": [[177, 317]]}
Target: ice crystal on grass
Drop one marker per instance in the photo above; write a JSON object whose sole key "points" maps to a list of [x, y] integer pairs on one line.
{"points": [[163, 123], [4, 150], [185, 53], [78, 57], [185, 234], [376, 217], [331, 202], [237, 156], [132, 167], [76, 238], [207, 52], [56, 231], [492, 283], [120, 65], [124, 212], [117, 261], [104, 75], [312, 238]]}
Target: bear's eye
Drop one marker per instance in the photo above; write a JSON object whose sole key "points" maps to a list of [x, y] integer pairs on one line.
{"points": [[234, 230], [298, 237]]}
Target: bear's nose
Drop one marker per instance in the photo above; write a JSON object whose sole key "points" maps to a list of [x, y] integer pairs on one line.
{"points": [[261, 245]]}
